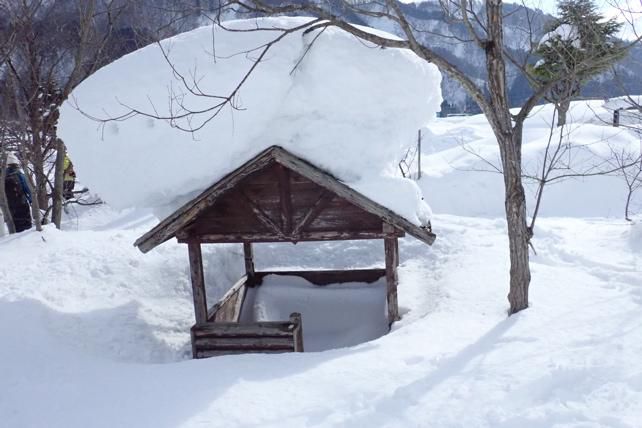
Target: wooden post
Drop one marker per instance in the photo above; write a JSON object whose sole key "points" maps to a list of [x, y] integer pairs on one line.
{"points": [[295, 319], [396, 251], [392, 280], [193, 338], [616, 117], [248, 253], [285, 198], [198, 281]]}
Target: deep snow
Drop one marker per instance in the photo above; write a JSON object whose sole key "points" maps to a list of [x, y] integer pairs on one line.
{"points": [[94, 333], [86, 317]]}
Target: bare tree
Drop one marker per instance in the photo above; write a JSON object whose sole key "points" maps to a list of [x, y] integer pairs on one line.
{"points": [[56, 45]]}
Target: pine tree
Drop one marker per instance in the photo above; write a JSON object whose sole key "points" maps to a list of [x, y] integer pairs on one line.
{"points": [[579, 45]]}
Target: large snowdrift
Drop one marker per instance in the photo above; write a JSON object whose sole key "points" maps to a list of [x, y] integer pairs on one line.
{"points": [[325, 96]]}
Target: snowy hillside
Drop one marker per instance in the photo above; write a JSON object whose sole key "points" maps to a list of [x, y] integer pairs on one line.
{"points": [[461, 163], [96, 334]]}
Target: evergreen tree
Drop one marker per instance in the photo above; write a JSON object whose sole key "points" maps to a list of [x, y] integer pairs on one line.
{"points": [[579, 45]]}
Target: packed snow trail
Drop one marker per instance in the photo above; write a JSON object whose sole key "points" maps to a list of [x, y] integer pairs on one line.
{"points": [[84, 315]]}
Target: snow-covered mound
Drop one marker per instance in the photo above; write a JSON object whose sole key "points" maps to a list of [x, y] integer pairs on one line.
{"points": [[324, 95], [461, 157]]}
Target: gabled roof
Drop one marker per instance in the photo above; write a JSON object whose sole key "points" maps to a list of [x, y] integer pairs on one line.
{"points": [[169, 227]]}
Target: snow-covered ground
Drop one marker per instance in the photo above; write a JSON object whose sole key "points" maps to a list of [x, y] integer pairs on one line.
{"points": [[94, 333], [87, 321], [461, 160]]}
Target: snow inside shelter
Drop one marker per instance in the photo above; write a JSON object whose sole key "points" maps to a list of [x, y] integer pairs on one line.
{"points": [[332, 99], [334, 316]]}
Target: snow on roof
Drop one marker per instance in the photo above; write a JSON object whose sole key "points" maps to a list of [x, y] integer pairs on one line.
{"points": [[346, 107]]}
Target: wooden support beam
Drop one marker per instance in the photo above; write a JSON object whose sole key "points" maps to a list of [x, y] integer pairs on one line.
{"points": [[321, 203], [397, 251], [325, 277], [295, 319], [228, 299], [236, 237], [248, 253], [263, 217], [285, 196], [392, 279], [198, 281]]}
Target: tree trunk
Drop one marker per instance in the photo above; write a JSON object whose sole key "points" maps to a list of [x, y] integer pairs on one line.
{"points": [[519, 234], [35, 203], [56, 214], [562, 110], [40, 177], [509, 138], [628, 203]]}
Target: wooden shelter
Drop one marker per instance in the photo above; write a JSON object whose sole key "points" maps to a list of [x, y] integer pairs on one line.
{"points": [[276, 197]]}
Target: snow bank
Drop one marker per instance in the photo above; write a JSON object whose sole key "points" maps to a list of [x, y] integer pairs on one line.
{"points": [[460, 155], [333, 316], [332, 99]]}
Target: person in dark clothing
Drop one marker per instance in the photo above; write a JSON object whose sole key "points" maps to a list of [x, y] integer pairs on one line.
{"points": [[18, 195]]}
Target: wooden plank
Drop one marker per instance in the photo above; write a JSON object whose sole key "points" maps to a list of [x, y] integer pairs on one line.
{"points": [[322, 201], [191, 333], [198, 281], [249, 346], [392, 279], [397, 252], [230, 294], [227, 311], [238, 305], [247, 342], [237, 237], [209, 354], [248, 254], [227, 329], [282, 347], [325, 277], [285, 199], [263, 217], [295, 319]]}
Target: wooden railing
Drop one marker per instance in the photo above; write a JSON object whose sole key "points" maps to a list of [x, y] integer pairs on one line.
{"points": [[224, 334], [221, 338], [229, 308]]}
